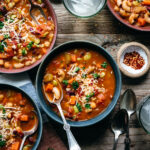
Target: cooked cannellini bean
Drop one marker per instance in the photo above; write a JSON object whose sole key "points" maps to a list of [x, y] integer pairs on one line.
{"points": [[7, 64], [90, 69], [61, 74], [93, 105], [27, 63], [48, 77], [18, 65], [1, 62], [1, 97], [11, 5], [9, 104], [87, 56], [102, 74], [56, 92], [33, 60], [47, 44]]}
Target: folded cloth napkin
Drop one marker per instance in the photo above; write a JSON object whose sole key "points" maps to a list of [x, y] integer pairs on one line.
{"points": [[50, 139]]}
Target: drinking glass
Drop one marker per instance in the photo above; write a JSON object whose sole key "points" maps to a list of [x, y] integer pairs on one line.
{"points": [[143, 113], [84, 8]]}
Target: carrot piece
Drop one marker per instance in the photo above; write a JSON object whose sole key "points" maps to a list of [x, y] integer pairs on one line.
{"points": [[71, 80], [24, 118], [15, 146], [73, 58], [73, 100], [1, 37], [146, 2], [141, 21], [44, 50], [49, 87]]}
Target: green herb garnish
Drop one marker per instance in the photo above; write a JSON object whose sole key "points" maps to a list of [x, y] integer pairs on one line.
{"points": [[104, 64], [79, 107], [29, 46], [24, 52], [76, 69], [96, 76], [87, 106], [83, 75], [88, 97], [75, 85], [2, 143], [83, 68], [1, 25], [6, 36], [65, 82], [2, 107], [1, 48]]}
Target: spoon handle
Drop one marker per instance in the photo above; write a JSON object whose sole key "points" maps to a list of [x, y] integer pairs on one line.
{"points": [[73, 145], [127, 143], [22, 143], [116, 141]]}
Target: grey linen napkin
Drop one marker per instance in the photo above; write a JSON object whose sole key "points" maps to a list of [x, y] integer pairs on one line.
{"points": [[50, 138]]}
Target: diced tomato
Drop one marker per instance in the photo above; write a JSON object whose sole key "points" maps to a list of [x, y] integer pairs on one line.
{"points": [[15, 146], [48, 87]]}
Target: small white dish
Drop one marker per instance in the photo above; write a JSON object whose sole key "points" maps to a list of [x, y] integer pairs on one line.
{"points": [[129, 48]]}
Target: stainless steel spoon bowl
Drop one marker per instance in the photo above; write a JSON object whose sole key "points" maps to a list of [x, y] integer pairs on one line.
{"points": [[128, 102], [29, 132], [119, 125], [33, 6], [73, 145]]}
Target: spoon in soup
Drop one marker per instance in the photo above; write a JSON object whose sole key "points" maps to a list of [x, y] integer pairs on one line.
{"points": [[29, 132], [36, 7], [119, 125], [58, 97]]}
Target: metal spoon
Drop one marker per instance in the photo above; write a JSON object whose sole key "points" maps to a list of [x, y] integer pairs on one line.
{"points": [[33, 6], [119, 124], [128, 102], [73, 145], [29, 132]]}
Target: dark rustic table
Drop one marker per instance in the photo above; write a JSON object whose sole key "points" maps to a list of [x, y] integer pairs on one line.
{"points": [[106, 31]]}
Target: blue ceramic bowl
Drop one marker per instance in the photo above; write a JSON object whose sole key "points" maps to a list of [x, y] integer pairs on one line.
{"points": [[40, 127], [72, 45]]}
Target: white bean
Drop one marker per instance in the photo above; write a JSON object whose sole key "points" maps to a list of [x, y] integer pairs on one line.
{"points": [[56, 92]]}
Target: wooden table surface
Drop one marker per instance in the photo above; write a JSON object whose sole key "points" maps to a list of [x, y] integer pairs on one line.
{"points": [[106, 31]]}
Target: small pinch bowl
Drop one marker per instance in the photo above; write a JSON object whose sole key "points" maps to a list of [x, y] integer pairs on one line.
{"points": [[63, 48], [125, 22], [40, 125], [54, 18]]}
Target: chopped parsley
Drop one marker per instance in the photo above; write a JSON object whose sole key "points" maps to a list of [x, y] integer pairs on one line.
{"points": [[11, 20], [79, 107], [88, 97], [65, 82], [1, 47], [83, 68], [2, 143], [24, 52], [83, 75], [29, 46], [2, 107], [1, 25], [76, 69], [87, 106], [75, 85], [96, 76], [104, 64], [6, 36]]}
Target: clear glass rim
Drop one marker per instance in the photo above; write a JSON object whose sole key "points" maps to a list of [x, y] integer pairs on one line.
{"points": [[85, 16], [147, 98]]}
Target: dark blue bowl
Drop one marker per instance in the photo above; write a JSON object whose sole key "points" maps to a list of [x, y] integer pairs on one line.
{"points": [[72, 45], [40, 127]]}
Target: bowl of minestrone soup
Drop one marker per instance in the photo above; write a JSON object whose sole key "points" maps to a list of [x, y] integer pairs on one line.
{"points": [[18, 113], [23, 42], [90, 79]]}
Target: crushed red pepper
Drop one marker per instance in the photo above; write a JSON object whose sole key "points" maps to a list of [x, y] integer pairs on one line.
{"points": [[134, 60]]}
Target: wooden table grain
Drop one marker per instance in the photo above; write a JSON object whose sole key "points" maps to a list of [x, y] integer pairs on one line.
{"points": [[108, 32]]}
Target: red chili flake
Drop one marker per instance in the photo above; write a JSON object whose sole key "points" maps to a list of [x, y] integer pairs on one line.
{"points": [[134, 60]]}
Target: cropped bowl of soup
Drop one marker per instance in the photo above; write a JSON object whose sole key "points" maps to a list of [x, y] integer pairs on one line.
{"points": [[90, 79], [18, 113]]}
